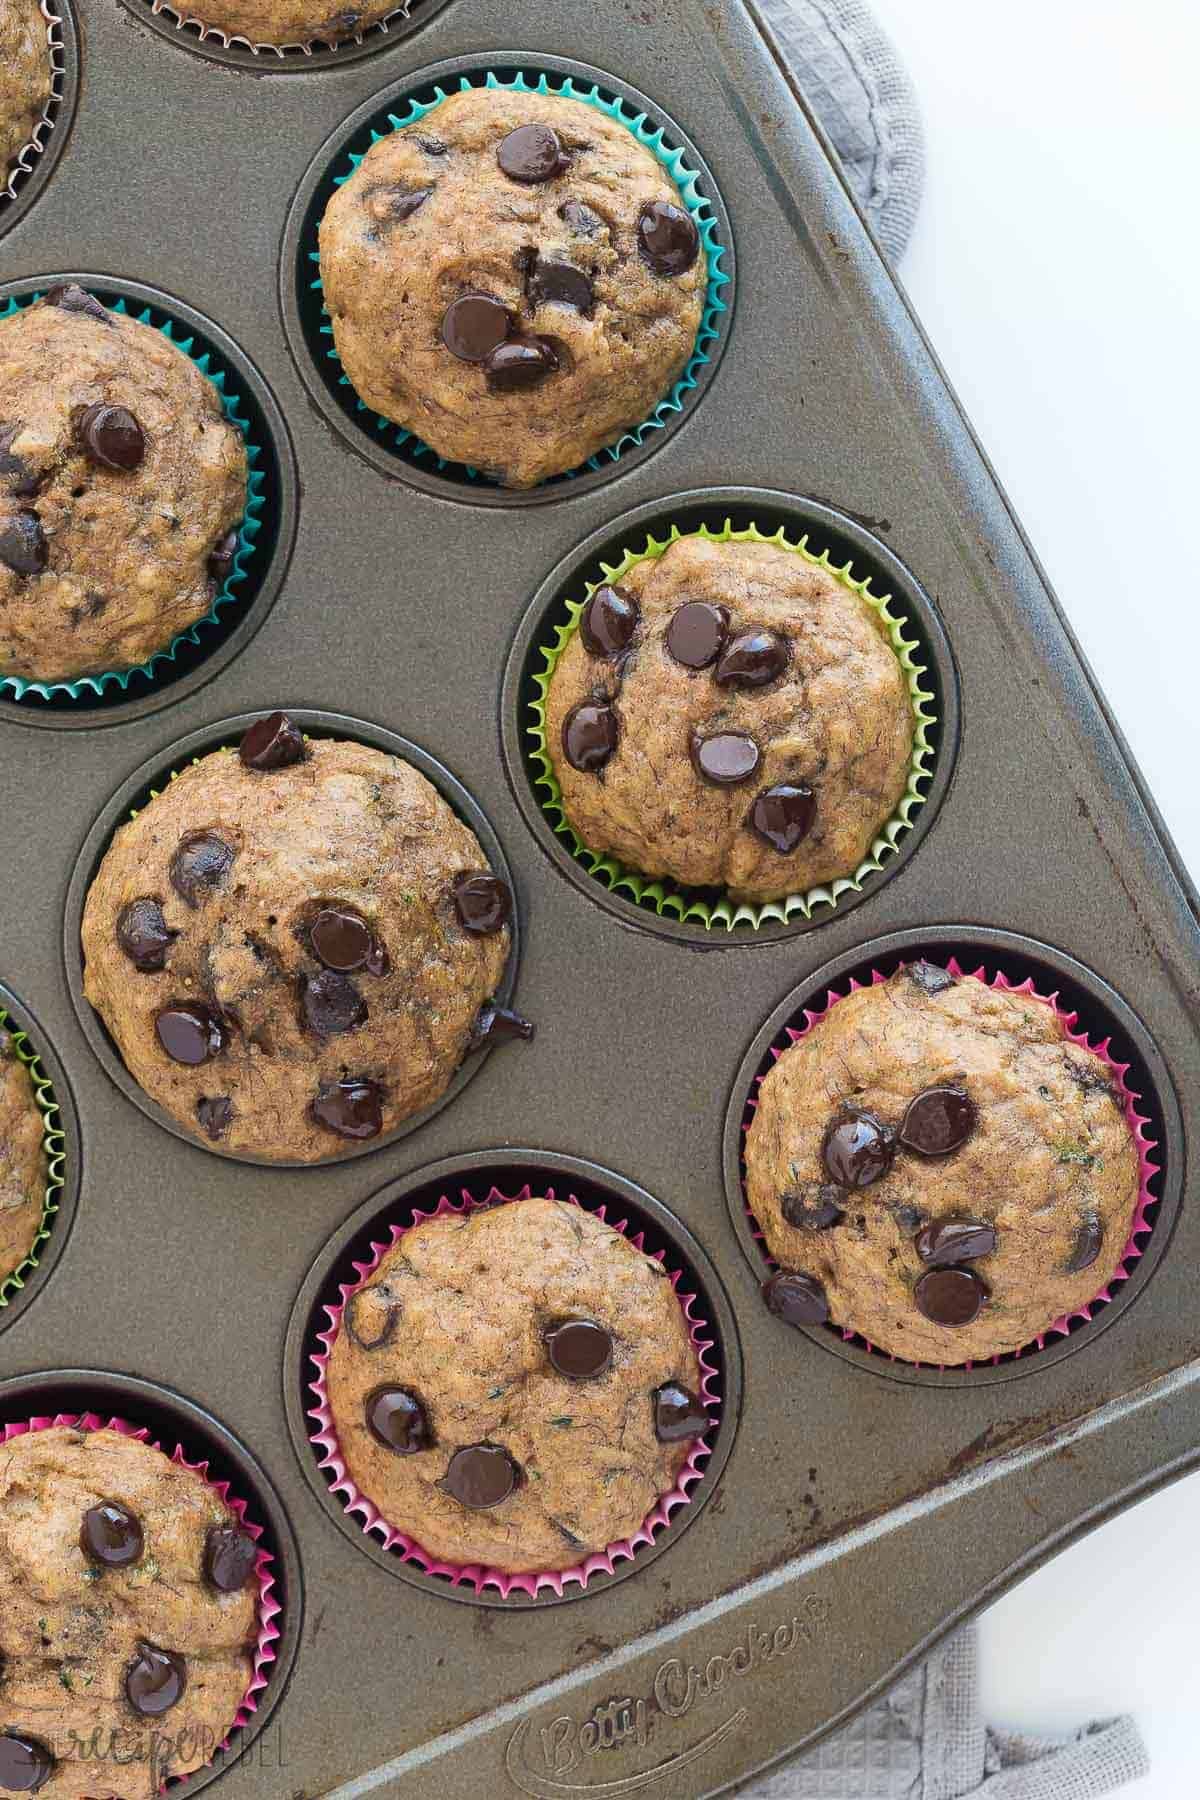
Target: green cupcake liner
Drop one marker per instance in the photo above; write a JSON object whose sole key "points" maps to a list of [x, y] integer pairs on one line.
{"points": [[54, 1146], [248, 532], [667, 898], [685, 179]]}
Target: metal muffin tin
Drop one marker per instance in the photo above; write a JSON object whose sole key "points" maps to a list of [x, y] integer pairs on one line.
{"points": [[858, 1516]]}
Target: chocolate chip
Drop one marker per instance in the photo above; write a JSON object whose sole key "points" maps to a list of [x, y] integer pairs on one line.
{"points": [[498, 1025], [678, 1414], [580, 218], [727, 759], [814, 1207], [214, 1115], [397, 1420], [200, 863], [939, 1121], [951, 1297], [26, 1764], [230, 1558], [23, 482], [783, 816], [483, 903], [350, 1108], [696, 633], [522, 362], [220, 561], [858, 1149], [949, 1241], [144, 935], [474, 325], [580, 1349], [372, 1315], [667, 238], [341, 939], [480, 1476], [929, 978], [23, 546], [589, 736], [110, 436], [796, 1298], [403, 206], [751, 660], [272, 742], [1089, 1241], [191, 1032], [432, 146], [330, 1004], [111, 1535], [608, 621], [531, 154], [155, 1681], [560, 284], [75, 299]]}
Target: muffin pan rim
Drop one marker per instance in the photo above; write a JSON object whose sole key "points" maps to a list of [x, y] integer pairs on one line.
{"points": [[63, 103], [237, 54], [67, 1205]]}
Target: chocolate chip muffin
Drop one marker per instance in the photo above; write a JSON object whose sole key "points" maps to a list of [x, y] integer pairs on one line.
{"points": [[24, 77], [128, 1603], [936, 1166], [514, 278], [280, 23], [121, 484], [515, 1386], [730, 716], [22, 1160], [294, 945]]}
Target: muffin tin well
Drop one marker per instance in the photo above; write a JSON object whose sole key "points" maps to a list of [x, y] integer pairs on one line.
{"points": [[63, 1129], [29, 174], [180, 26]]}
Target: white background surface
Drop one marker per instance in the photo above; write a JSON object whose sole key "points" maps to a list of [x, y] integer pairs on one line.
{"points": [[1056, 269]]}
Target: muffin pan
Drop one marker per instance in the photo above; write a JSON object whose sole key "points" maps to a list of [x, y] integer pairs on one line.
{"points": [[859, 1515]]}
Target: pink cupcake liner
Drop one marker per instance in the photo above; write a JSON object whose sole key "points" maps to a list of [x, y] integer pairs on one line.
{"points": [[269, 1608], [25, 158], [1141, 1226], [475, 1575]]}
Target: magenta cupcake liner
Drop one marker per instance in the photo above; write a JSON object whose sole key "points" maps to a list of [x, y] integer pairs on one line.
{"points": [[476, 1575], [1147, 1168], [269, 1608]]}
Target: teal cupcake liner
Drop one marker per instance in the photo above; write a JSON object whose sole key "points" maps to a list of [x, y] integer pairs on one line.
{"points": [[687, 905], [686, 180], [15, 686], [54, 1144]]}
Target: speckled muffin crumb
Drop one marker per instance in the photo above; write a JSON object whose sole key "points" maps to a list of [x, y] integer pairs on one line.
{"points": [[24, 77], [23, 1168], [515, 1386], [514, 278], [936, 1166], [128, 1605]]}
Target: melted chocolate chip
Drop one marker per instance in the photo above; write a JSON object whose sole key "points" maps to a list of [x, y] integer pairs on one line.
{"points": [[949, 1241], [580, 1349], [214, 1115], [667, 239], [783, 816], [23, 546], [696, 633], [929, 978], [608, 622], [678, 1414], [229, 1558], [498, 1025], [560, 284], [751, 660], [272, 742], [483, 903], [952, 1297], [111, 1535], [522, 362], [191, 1032], [26, 1764], [397, 1420], [1089, 1241], [341, 939], [155, 1681], [480, 1476], [330, 1004], [372, 1315], [110, 436], [589, 736], [814, 1207], [580, 218], [144, 935], [796, 1298], [220, 561], [23, 482], [350, 1108], [858, 1150], [939, 1121], [532, 154], [75, 299], [474, 325], [200, 863], [403, 206], [727, 759]]}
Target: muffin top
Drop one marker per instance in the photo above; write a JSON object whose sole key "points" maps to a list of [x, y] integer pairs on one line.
{"points": [[515, 1386], [128, 1602], [121, 482], [294, 945], [943, 1169], [515, 279], [730, 716], [289, 22], [22, 1160], [24, 76]]}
